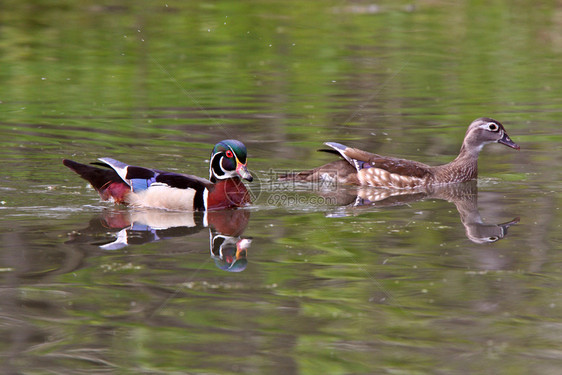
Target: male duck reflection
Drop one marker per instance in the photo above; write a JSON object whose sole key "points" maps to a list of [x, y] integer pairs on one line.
{"points": [[367, 169], [145, 187], [135, 227], [463, 195]]}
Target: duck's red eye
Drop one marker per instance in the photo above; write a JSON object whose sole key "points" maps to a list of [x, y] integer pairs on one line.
{"points": [[229, 154]]}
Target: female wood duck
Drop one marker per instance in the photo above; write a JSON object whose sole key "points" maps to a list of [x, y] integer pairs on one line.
{"points": [[145, 187], [367, 169]]}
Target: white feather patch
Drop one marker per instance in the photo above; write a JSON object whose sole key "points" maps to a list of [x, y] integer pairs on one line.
{"points": [[163, 196]]}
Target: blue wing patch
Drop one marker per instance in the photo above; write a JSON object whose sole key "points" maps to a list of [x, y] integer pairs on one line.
{"points": [[139, 184]]}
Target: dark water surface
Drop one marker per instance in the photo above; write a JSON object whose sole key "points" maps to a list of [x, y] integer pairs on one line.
{"points": [[466, 281]]}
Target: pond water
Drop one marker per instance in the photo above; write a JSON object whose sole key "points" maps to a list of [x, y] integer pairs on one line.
{"points": [[304, 281]]}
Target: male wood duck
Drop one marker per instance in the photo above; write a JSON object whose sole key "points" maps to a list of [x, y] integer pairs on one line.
{"points": [[145, 187], [367, 169]]}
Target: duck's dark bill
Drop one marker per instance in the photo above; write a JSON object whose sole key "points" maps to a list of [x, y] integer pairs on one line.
{"points": [[508, 142]]}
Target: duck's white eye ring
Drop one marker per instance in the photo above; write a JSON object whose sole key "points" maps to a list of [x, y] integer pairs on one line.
{"points": [[493, 127]]}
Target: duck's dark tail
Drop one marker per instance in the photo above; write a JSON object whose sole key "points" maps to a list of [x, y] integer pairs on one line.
{"points": [[105, 180], [311, 175], [338, 170], [296, 176]]}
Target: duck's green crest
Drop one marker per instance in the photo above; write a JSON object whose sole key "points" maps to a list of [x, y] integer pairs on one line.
{"points": [[232, 144]]}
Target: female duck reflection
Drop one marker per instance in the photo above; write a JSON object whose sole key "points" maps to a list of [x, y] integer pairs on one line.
{"points": [[228, 249], [463, 195]]}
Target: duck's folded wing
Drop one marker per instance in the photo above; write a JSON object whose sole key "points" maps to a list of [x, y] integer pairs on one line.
{"points": [[183, 181], [138, 178], [141, 178], [401, 167], [362, 159]]}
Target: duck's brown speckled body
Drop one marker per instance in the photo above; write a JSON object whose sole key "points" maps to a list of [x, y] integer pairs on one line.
{"points": [[359, 167]]}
